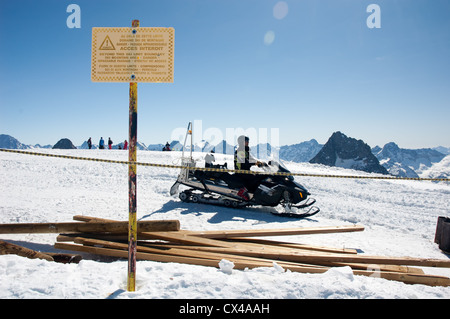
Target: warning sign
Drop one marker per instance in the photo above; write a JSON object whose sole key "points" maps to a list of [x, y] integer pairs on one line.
{"points": [[107, 44], [132, 54]]}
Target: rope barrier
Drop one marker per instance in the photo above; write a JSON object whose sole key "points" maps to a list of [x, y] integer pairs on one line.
{"points": [[224, 170]]}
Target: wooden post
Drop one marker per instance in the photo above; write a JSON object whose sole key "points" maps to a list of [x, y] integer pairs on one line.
{"points": [[132, 188], [92, 227]]}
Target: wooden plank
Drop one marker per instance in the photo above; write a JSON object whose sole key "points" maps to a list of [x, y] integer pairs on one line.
{"points": [[367, 259], [83, 218], [413, 279], [9, 248], [295, 245], [223, 234], [107, 227]]}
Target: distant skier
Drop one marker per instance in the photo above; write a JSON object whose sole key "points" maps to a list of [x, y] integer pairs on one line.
{"points": [[167, 147], [110, 143], [125, 145], [89, 143], [101, 143]]}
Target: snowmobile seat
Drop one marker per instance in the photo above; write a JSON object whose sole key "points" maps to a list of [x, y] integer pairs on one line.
{"points": [[232, 180]]}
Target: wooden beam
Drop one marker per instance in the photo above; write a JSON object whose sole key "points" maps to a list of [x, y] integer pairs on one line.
{"points": [[9, 248], [107, 227], [224, 234], [295, 245], [83, 218]]}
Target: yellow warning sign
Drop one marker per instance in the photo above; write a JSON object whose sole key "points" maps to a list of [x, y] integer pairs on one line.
{"points": [[107, 44], [132, 54]]}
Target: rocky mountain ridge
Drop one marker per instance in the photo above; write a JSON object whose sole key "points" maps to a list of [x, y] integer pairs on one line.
{"points": [[347, 152]]}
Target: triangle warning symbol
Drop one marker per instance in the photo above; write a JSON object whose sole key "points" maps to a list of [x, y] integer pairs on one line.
{"points": [[107, 44]]}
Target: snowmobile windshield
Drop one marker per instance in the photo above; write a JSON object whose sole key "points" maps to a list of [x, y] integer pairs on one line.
{"points": [[279, 167]]}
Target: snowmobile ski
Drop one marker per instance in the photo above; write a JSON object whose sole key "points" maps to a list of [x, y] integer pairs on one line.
{"points": [[310, 212]]}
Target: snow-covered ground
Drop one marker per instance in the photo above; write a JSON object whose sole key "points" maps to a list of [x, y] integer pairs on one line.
{"points": [[399, 218]]}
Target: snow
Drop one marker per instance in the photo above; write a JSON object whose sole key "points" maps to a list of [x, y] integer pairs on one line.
{"points": [[439, 170], [350, 163], [399, 217]]}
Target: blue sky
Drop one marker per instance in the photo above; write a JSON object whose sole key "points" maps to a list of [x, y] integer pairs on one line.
{"points": [[323, 70]]}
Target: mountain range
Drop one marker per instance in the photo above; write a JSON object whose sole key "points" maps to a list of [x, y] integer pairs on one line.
{"points": [[340, 150]]}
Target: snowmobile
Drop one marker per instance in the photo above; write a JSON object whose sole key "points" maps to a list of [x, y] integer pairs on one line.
{"points": [[222, 188]]}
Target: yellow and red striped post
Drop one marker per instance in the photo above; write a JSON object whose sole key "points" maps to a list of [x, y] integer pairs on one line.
{"points": [[132, 187]]}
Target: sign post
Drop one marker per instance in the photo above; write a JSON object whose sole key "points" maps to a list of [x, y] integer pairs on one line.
{"points": [[132, 189], [132, 55]]}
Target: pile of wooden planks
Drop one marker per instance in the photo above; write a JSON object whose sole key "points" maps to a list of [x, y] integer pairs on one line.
{"points": [[208, 248], [164, 241]]}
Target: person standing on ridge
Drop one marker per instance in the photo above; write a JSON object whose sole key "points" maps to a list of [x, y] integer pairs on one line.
{"points": [[110, 143], [167, 147], [101, 143]]}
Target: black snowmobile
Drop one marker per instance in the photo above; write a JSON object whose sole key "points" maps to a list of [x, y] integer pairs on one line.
{"points": [[222, 188]]}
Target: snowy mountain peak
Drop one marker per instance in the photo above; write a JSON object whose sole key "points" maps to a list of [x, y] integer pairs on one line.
{"points": [[347, 152], [9, 142], [301, 152], [407, 162]]}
